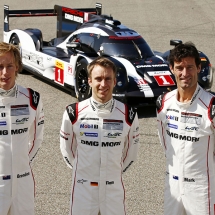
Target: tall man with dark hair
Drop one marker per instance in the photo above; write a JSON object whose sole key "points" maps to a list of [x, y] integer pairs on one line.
{"points": [[186, 127], [21, 134], [99, 140]]}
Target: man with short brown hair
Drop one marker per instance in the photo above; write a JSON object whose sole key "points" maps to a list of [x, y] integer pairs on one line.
{"points": [[186, 126], [99, 140]]}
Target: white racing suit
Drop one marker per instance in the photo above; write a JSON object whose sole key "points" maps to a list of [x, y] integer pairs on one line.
{"points": [[21, 133], [99, 148], [186, 131]]}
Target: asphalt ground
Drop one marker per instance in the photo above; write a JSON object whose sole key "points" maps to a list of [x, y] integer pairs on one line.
{"points": [[157, 21]]}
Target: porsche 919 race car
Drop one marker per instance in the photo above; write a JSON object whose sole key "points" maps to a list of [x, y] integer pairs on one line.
{"points": [[84, 34]]}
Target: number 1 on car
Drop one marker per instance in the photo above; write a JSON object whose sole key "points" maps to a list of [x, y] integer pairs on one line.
{"points": [[59, 72]]}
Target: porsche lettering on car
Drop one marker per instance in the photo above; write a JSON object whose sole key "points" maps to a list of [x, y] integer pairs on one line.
{"points": [[84, 34]]}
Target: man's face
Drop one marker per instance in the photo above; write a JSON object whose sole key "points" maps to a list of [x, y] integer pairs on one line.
{"points": [[102, 82], [8, 71], [186, 74]]}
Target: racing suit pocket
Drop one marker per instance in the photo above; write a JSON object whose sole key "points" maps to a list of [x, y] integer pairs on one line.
{"points": [[25, 190]]}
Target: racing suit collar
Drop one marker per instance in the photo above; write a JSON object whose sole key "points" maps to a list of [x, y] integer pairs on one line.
{"points": [[196, 94], [8, 93], [102, 109], [11, 96]]}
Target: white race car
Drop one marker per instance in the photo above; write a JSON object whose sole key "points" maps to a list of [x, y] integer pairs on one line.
{"points": [[83, 35]]}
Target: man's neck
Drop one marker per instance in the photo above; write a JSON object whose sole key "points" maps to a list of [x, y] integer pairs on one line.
{"points": [[186, 95], [102, 105]]}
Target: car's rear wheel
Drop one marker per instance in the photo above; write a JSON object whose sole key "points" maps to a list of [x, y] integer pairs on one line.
{"points": [[15, 40], [83, 90]]}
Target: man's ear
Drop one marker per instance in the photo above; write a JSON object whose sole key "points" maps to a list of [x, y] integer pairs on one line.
{"points": [[171, 68], [199, 68], [90, 81]]}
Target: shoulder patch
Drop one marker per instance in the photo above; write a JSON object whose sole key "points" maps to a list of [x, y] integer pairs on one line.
{"points": [[130, 113], [211, 110], [159, 102], [72, 112], [34, 98]]}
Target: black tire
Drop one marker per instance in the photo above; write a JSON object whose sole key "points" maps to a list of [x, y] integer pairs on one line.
{"points": [[83, 90], [15, 40]]}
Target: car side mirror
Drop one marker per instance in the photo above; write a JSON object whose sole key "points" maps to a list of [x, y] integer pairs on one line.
{"points": [[73, 45]]}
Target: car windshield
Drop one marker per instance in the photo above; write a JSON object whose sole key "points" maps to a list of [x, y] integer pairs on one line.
{"points": [[135, 48]]}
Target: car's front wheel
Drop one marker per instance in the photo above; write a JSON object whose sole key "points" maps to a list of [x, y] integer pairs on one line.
{"points": [[83, 90]]}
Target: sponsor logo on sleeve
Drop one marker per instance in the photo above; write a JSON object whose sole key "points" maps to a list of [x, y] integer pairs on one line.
{"points": [[81, 181], [136, 129], [64, 133], [67, 160], [131, 114], [128, 166], [63, 137], [23, 175], [213, 110], [135, 136], [71, 110], [35, 97], [41, 122]]}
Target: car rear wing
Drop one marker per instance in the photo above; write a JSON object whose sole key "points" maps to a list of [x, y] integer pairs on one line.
{"points": [[68, 19]]}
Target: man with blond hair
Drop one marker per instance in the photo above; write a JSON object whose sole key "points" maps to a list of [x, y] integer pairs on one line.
{"points": [[21, 134]]}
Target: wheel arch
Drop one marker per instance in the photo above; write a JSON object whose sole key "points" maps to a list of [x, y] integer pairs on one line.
{"points": [[25, 39]]}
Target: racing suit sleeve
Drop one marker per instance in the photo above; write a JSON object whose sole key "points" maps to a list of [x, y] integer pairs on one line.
{"points": [[211, 114], [68, 143], [160, 127], [36, 131], [131, 144]]}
